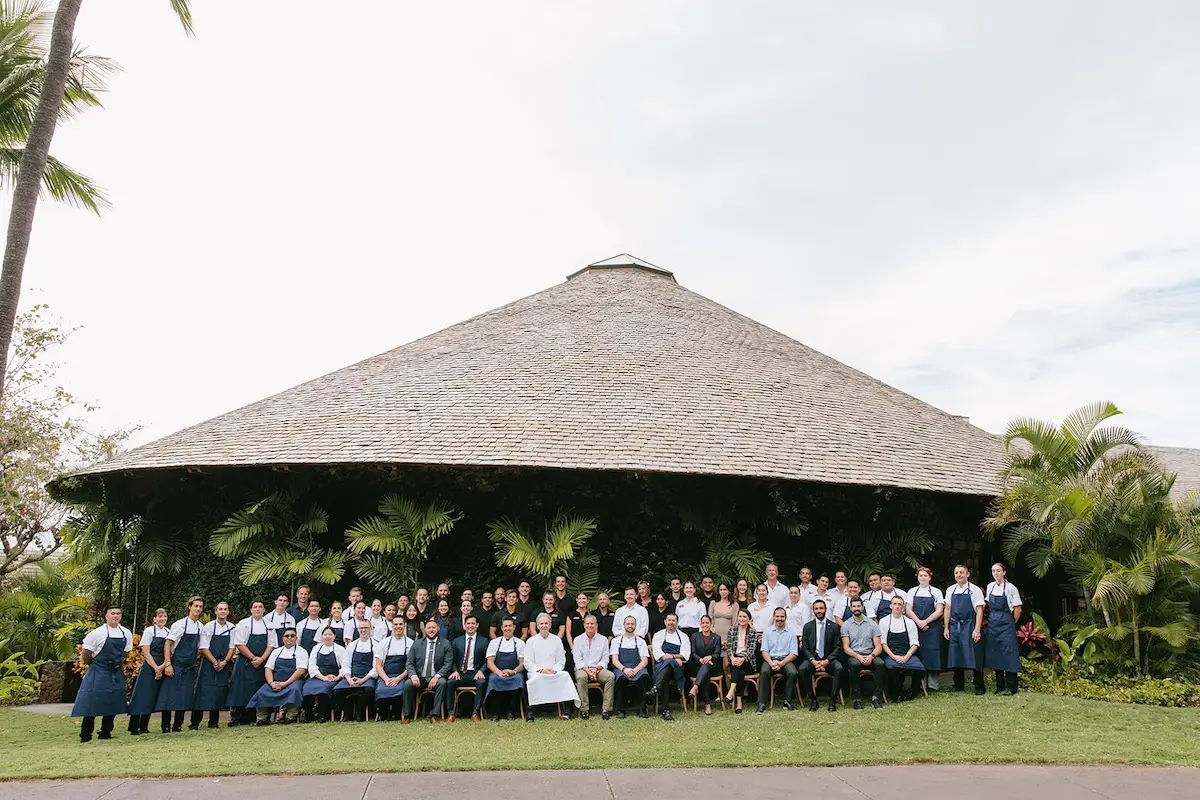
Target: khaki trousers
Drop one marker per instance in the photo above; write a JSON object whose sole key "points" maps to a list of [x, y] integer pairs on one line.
{"points": [[606, 680]]}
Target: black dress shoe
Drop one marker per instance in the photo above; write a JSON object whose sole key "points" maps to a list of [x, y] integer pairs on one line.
{"points": [[641, 714], [621, 715], [585, 715], [980, 692], [858, 705], [815, 705], [84, 739], [876, 703], [104, 736], [262, 723], [787, 706], [652, 691], [529, 717], [177, 729], [833, 706], [193, 727], [135, 732], [666, 715], [762, 709], [604, 716]]}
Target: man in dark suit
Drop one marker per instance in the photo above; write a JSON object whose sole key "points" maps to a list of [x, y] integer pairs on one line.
{"points": [[470, 667], [820, 643], [430, 662]]}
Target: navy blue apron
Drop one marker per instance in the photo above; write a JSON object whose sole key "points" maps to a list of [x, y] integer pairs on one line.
{"points": [[212, 687], [897, 642], [247, 679], [1001, 652], [671, 649], [352, 633], [361, 663], [846, 614], [102, 693], [505, 659], [308, 637], [339, 632], [630, 658], [961, 652], [883, 608], [145, 690], [328, 664], [179, 691], [393, 665], [266, 697], [931, 639]]}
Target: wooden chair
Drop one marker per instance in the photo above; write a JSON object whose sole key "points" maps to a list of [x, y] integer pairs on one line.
{"points": [[417, 706], [718, 682], [816, 680], [458, 693]]}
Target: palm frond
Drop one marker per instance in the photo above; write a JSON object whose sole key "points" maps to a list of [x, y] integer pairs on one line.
{"points": [[183, 10]]}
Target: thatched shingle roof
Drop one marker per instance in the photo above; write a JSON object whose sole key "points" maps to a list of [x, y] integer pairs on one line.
{"points": [[1183, 461], [618, 368]]}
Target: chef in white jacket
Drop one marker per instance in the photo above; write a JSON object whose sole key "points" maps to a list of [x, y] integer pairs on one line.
{"points": [[545, 659]]}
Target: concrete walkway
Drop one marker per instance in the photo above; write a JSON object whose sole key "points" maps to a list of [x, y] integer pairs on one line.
{"points": [[983, 782]]}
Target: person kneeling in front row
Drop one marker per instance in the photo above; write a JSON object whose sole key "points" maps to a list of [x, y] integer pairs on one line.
{"points": [[590, 651], [779, 655], [820, 643], [860, 643]]}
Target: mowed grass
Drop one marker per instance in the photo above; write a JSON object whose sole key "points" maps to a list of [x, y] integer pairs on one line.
{"points": [[945, 728]]}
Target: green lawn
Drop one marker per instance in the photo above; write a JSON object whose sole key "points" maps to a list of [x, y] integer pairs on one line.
{"points": [[945, 728]]}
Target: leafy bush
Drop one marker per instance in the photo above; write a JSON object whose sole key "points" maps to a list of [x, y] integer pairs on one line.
{"points": [[18, 678], [1067, 680]]}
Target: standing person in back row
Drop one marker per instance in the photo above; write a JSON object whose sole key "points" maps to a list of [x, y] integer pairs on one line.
{"points": [[926, 607], [964, 629], [632, 608], [280, 619], [216, 665], [102, 693], [777, 592], [1004, 612]]}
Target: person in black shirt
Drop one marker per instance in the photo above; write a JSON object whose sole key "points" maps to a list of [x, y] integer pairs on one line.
{"points": [[512, 610], [708, 592], [575, 618], [658, 613], [676, 593], [526, 603], [603, 615], [562, 600], [644, 597], [558, 624], [485, 612]]}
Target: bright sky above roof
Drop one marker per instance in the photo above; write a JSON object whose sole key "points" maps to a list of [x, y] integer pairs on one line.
{"points": [[990, 206]]}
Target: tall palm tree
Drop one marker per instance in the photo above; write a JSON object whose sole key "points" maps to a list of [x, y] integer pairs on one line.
{"points": [[52, 94], [390, 549], [278, 537], [562, 548]]}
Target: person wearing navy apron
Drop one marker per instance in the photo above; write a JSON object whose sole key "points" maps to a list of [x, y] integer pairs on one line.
{"points": [[337, 622], [354, 694], [671, 650], [630, 658], [102, 693], [505, 661], [898, 635], [284, 673], [881, 606], [359, 616], [964, 629], [1004, 612], [149, 678], [179, 677], [216, 664], [842, 611], [324, 671], [392, 695], [309, 628], [926, 606], [279, 619], [254, 642]]}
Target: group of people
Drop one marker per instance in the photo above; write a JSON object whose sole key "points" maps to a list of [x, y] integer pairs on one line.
{"points": [[515, 653]]}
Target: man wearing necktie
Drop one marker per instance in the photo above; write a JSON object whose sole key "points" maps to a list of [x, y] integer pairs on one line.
{"points": [[470, 667], [433, 660], [820, 641]]}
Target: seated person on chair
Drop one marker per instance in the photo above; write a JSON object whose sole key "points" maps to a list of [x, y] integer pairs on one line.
{"points": [[285, 678], [898, 635], [505, 655], [629, 659], [779, 656], [430, 661], [861, 645], [470, 667], [706, 655], [672, 649], [392, 696], [590, 651], [354, 694], [820, 644], [545, 662]]}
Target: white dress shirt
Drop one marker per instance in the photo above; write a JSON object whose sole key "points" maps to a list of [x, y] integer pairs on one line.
{"points": [[307, 624], [590, 653], [469, 654], [820, 642], [623, 641], [98, 637], [777, 596], [797, 616], [763, 616], [690, 612], [932, 591], [638, 612]]}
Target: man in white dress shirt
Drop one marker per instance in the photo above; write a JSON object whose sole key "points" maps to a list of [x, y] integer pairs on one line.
{"points": [[632, 608], [545, 659], [777, 593], [590, 651]]}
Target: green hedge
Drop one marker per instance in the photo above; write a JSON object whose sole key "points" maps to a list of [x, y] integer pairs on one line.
{"points": [[1051, 678]]}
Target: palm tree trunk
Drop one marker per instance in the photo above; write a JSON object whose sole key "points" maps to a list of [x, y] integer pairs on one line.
{"points": [[1137, 642], [29, 176]]}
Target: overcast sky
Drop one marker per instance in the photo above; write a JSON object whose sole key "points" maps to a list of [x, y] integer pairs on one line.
{"points": [[994, 207]]}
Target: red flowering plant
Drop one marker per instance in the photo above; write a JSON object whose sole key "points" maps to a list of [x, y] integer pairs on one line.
{"points": [[1034, 639]]}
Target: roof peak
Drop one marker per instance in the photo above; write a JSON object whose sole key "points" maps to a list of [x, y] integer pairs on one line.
{"points": [[624, 261]]}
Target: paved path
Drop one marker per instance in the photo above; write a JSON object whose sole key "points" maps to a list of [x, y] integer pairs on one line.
{"points": [[984, 782]]}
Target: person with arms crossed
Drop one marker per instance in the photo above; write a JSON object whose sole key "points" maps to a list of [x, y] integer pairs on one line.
{"points": [[862, 646], [102, 693], [820, 644]]}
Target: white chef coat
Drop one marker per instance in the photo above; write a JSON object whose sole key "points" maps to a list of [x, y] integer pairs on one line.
{"points": [[339, 652], [211, 629], [971, 589], [889, 624], [183, 626], [656, 644], [359, 646], [151, 633], [350, 631], [934, 592], [1006, 588], [299, 653], [278, 622], [98, 637], [638, 612], [500, 644], [870, 609], [307, 624], [249, 627], [546, 652]]}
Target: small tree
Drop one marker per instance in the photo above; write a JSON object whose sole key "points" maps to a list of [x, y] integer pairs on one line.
{"points": [[277, 537], [390, 549], [561, 549]]}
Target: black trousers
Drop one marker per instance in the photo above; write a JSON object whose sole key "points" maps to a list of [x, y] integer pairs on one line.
{"points": [[895, 679], [466, 682], [213, 716], [835, 671], [960, 679], [88, 724], [738, 674], [643, 683], [766, 675], [176, 724], [664, 679], [139, 722], [354, 704], [507, 703], [704, 676], [854, 669], [317, 707], [1006, 680]]}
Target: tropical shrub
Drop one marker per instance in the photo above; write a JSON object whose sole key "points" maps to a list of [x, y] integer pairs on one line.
{"points": [[390, 550], [18, 678], [1048, 677], [561, 549], [276, 537], [44, 614]]}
